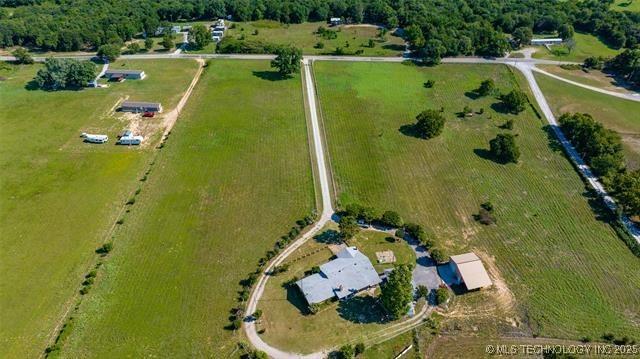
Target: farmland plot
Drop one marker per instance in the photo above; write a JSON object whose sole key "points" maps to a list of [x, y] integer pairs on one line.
{"points": [[58, 196], [233, 177], [570, 274]]}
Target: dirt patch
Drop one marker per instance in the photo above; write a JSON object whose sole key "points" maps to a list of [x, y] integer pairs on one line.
{"points": [[503, 294]]}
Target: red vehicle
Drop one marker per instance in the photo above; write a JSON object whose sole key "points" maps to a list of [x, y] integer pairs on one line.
{"points": [[148, 114]]}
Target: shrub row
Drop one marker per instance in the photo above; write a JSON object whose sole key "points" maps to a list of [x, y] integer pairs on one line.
{"points": [[237, 313]]}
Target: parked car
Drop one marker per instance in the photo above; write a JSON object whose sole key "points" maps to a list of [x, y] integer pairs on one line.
{"points": [[148, 114]]}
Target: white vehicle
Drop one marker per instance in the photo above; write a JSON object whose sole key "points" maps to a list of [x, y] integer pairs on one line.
{"points": [[217, 33], [130, 140], [94, 138], [216, 38]]}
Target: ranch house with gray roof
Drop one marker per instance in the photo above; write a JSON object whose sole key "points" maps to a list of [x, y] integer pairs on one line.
{"points": [[343, 277]]}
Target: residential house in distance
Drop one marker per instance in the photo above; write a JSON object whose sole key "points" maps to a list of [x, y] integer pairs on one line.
{"points": [[343, 277], [549, 41], [137, 107], [468, 269], [119, 75], [335, 21]]}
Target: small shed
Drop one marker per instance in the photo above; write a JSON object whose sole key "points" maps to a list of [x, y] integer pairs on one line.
{"points": [[469, 270], [137, 107], [125, 74]]}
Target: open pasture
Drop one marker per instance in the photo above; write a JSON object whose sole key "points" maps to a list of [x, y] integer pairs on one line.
{"points": [[60, 197], [304, 36], [570, 274], [232, 178], [620, 115]]}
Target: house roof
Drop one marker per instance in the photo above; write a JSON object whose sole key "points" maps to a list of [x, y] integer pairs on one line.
{"points": [[471, 270], [349, 273], [123, 72], [140, 104]]}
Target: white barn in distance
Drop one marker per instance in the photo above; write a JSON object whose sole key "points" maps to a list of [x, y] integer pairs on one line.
{"points": [[549, 41], [469, 270]]}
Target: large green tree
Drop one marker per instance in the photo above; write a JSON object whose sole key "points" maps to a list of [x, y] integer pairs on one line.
{"points": [[397, 292], [109, 51], [504, 148], [60, 74], [22, 56], [199, 37], [348, 227], [287, 60], [515, 101], [430, 123], [626, 187]]}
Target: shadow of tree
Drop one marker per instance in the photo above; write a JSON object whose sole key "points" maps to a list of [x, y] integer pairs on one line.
{"points": [[552, 139], [472, 94], [270, 75], [362, 309], [393, 47], [500, 107], [330, 236], [409, 130], [600, 211]]}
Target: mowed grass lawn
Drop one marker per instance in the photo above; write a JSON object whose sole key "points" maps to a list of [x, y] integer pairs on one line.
{"points": [[303, 36], [620, 115], [585, 46], [626, 5], [571, 275], [233, 177], [286, 321], [58, 202]]}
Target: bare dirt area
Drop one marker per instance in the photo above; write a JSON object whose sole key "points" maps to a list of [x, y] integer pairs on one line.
{"points": [[489, 311]]}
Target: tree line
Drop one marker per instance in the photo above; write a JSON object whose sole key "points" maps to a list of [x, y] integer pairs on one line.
{"points": [[602, 150], [435, 28]]}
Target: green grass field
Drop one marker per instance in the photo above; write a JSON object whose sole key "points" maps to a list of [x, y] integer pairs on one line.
{"points": [[571, 275], [233, 177], [585, 46], [60, 197], [286, 322], [593, 78], [626, 5], [304, 36], [617, 114]]}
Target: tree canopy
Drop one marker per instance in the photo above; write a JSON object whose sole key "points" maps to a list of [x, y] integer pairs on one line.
{"points": [[430, 124], [601, 148], [504, 148], [22, 56], [397, 292], [287, 60], [515, 101], [454, 27], [199, 37], [60, 74]]}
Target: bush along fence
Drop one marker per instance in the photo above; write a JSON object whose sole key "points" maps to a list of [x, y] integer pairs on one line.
{"points": [[238, 312]]}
